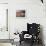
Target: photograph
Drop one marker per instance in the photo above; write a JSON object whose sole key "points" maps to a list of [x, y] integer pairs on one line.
{"points": [[20, 13]]}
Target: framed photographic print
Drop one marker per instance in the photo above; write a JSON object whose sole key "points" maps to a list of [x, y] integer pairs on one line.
{"points": [[20, 13]]}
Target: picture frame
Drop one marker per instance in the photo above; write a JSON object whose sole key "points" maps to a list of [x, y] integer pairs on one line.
{"points": [[20, 13]]}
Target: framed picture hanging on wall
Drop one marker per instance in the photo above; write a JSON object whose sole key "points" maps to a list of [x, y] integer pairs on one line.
{"points": [[20, 13]]}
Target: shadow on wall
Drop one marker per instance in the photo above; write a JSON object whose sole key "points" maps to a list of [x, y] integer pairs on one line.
{"points": [[41, 34]]}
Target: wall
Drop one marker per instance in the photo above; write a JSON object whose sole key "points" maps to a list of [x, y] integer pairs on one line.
{"points": [[35, 12], [3, 14], [3, 1], [3, 33]]}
